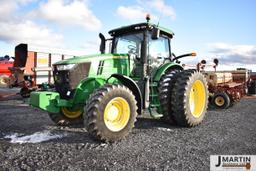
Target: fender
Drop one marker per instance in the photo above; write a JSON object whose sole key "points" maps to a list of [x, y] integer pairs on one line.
{"points": [[164, 68], [85, 88], [130, 83]]}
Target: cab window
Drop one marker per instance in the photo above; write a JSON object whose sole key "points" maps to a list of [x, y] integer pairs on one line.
{"points": [[159, 48], [130, 43]]}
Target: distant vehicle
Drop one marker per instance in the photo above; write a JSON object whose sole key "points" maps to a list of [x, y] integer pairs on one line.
{"points": [[5, 63]]}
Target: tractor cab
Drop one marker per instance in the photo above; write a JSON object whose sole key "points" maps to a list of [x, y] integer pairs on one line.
{"points": [[148, 47], [145, 43], [130, 39]]}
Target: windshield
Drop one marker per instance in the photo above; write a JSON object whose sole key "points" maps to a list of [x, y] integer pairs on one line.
{"points": [[130, 43]]}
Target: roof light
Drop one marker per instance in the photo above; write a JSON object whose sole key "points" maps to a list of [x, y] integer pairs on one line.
{"points": [[148, 17]]}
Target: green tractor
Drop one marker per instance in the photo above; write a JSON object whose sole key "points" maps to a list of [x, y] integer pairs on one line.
{"points": [[106, 92]]}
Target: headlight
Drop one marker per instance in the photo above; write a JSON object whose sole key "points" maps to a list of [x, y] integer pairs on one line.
{"points": [[65, 67]]}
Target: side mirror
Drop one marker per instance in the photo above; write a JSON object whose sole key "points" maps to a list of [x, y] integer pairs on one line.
{"points": [[155, 33], [102, 43]]}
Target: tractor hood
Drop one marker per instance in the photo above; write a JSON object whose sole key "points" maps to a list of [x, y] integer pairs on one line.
{"points": [[90, 58]]}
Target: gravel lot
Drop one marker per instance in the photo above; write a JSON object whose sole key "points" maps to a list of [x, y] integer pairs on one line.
{"points": [[152, 145]]}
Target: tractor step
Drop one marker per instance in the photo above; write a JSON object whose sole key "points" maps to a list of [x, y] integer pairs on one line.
{"points": [[156, 115], [153, 112], [154, 84], [153, 95], [154, 105]]}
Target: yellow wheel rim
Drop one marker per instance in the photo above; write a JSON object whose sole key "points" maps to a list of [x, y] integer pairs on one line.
{"points": [[219, 101], [71, 114], [117, 114], [197, 98], [4, 80]]}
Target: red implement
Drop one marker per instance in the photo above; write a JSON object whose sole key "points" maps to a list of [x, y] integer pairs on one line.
{"points": [[4, 65]]}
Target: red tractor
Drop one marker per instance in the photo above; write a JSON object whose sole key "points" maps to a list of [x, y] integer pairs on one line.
{"points": [[5, 63]]}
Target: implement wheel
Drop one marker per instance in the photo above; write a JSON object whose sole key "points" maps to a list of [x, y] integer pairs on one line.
{"points": [[110, 113], [189, 98], [67, 117], [221, 100]]}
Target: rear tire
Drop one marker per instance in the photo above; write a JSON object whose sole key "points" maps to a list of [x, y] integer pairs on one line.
{"points": [[221, 100], [67, 117], [165, 88], [111, 112], [189, 98]]}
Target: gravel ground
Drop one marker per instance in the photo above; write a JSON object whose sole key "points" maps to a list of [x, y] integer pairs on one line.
{"points": [[152, 145]]}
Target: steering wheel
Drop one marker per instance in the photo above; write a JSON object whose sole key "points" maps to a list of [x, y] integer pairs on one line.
{"points": [[132, 49]]}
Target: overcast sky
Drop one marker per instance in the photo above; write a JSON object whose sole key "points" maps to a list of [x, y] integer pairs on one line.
{"points": [[213, 28]]}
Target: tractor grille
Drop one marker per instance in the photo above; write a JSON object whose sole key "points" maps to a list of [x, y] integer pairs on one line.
{"points": [[66, 81]]}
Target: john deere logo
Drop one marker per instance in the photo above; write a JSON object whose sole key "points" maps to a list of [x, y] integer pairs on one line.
{"points": [[233, 162]]}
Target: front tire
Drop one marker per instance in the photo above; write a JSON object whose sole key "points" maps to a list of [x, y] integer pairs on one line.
{"points": [[111, 112], [67, 117], [189, 98]]}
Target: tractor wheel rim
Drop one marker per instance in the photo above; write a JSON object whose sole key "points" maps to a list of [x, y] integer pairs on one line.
{"points": [[71, 114], [219, 101], [3, 80], [197, 98], [116, 114]]}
